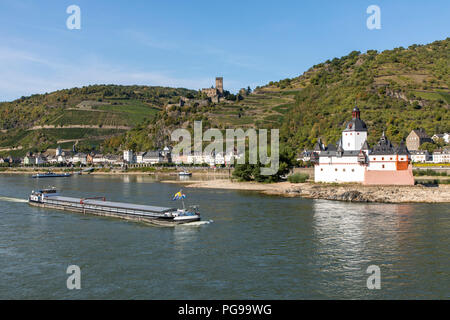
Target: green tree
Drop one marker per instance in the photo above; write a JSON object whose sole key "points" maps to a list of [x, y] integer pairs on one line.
{"points": [[430, 147]]}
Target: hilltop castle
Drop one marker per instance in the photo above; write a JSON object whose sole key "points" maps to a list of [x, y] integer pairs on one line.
{"points": [[215, 93], [352, 160]]}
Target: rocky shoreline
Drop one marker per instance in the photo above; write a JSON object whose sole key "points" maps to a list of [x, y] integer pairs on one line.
{"points": [[339, 192]]}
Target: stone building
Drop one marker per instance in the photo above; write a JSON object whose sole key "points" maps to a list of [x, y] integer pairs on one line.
{"points": [[219, 84], [215, 93], [416, 138]]}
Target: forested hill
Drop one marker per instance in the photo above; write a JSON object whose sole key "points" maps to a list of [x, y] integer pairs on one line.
{"points": [[86, 116], [397, 90]]}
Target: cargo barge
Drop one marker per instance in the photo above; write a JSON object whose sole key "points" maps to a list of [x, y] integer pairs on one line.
{"points": [[51, 175], [50, 198]]}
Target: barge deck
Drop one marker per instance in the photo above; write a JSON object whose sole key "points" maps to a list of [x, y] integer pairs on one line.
{"points": [[101, 207]]}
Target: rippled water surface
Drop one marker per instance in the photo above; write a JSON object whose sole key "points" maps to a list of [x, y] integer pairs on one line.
{"points": [[257, 247]]}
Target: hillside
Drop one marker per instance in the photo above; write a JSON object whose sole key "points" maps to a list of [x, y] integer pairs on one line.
{"points": [[86, 115], [397, 90], [254, 111]]}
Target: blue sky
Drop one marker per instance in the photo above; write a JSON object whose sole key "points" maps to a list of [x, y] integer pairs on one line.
{"points": [[188, 43]]}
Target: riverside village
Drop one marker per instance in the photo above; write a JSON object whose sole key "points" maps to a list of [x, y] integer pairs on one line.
{"points": [[350, 160]]}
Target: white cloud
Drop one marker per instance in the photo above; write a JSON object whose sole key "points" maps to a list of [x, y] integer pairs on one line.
{"points": [[24, 73]]}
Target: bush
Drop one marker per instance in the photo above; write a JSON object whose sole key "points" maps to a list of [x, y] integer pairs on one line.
{"points": [[429, 172], [298, 177], [432, 182]]}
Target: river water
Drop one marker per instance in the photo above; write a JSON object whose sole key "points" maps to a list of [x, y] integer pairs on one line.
{"points": [[250, 247]]}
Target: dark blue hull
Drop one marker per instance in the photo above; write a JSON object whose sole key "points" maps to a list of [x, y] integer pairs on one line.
{"points": [[53, 175]]}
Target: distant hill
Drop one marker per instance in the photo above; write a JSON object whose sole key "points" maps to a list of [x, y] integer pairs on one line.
{"points": [[89, 114], [397, 90]]}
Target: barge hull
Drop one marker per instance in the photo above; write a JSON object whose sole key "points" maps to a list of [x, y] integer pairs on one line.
{"points": [[136, 218]]}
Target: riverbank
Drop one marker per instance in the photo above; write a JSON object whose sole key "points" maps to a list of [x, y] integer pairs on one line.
{"points": [[342, 192], [166, 171]]}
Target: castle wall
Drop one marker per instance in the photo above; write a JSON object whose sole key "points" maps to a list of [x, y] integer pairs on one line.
{"points": [[353, 140], [339, 173], [388, 177], [382, 165], [387, 162]]}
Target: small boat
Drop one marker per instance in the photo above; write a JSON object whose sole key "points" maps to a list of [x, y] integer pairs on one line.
{"points": [[185, 173], [51, 175], [50, 198]]}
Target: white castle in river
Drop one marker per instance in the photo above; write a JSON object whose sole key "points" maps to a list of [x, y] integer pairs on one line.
{"points": [[351, 159]]}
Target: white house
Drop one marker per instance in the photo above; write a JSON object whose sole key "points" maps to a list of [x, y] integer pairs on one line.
{"points": [[196, 158], [420, 156], [98, 159], [65, 157], [38, 160], [113, 160], [152, 157], [441, 155], [128, 156], [79, 157], [140, 157], [444, 136], [28, 160], [52, 159]]}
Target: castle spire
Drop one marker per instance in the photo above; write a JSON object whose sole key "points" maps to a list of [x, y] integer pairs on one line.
{"points": [[356, 112]]}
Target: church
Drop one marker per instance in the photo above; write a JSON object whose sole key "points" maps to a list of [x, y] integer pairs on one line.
{"points": [[352, 160]]}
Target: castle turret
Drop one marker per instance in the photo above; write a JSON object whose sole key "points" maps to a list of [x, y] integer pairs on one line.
{"points": [[355, 132], [219, 84], [356, 113]]}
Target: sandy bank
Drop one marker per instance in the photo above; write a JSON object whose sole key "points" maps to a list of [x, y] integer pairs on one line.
{"points": [[343, 192]]}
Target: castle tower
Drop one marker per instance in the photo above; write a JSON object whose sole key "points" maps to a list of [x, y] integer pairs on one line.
{"points": [[355, 133], [219, 84]]}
